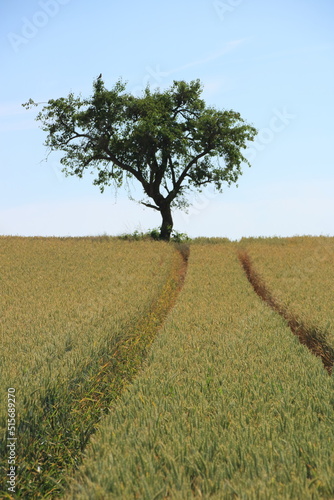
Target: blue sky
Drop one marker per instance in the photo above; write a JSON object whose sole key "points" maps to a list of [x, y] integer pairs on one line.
{"points": [[270, 61]]}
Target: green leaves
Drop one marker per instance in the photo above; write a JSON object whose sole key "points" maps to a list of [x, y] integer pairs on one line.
{"points": [[168, 140]]}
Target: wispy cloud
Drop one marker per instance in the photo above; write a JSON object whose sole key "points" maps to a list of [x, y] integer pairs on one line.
{"points": [[229, 47], [308, 51], [157, 75]]}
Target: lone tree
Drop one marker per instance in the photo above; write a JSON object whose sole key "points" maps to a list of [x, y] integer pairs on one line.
{"points": [[170, 141]]}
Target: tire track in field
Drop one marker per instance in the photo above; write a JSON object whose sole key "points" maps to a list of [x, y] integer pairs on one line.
{"points": [[313, 338], [66, 417], [129, 350]]}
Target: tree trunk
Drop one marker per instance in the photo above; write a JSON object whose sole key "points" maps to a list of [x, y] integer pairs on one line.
{"points": [[167, 222]]}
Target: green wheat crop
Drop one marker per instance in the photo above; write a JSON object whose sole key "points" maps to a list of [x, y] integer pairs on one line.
{"points": [[229, 404], [64, 304], [299, 272]]}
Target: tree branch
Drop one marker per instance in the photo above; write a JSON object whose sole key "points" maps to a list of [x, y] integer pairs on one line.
{"points": [[199, 183], [77, 136], [172, 170], [149, 205], [136, 173], [111, 156], [178, 184], [154, 168], [166, 186], [159, 175]]}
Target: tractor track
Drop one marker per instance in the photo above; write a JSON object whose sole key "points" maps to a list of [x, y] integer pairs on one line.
{"points": [[313, 338], [68, 416]]}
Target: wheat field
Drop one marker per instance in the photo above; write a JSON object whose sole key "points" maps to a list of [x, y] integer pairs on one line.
{"points": [[300, 271], [229, 405], [132, 386], [65, 306]]}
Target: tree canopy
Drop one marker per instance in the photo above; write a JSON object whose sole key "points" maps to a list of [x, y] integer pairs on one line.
{"points": [[170, 141]]}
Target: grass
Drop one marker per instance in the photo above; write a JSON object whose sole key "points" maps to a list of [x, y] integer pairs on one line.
{"points": [[312, 337], [73, 334], [300, 273], [229, 405]]}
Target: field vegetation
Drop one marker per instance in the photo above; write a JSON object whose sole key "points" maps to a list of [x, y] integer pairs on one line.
{"points": [[72, 331], [299, 271], [229, 404]]}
